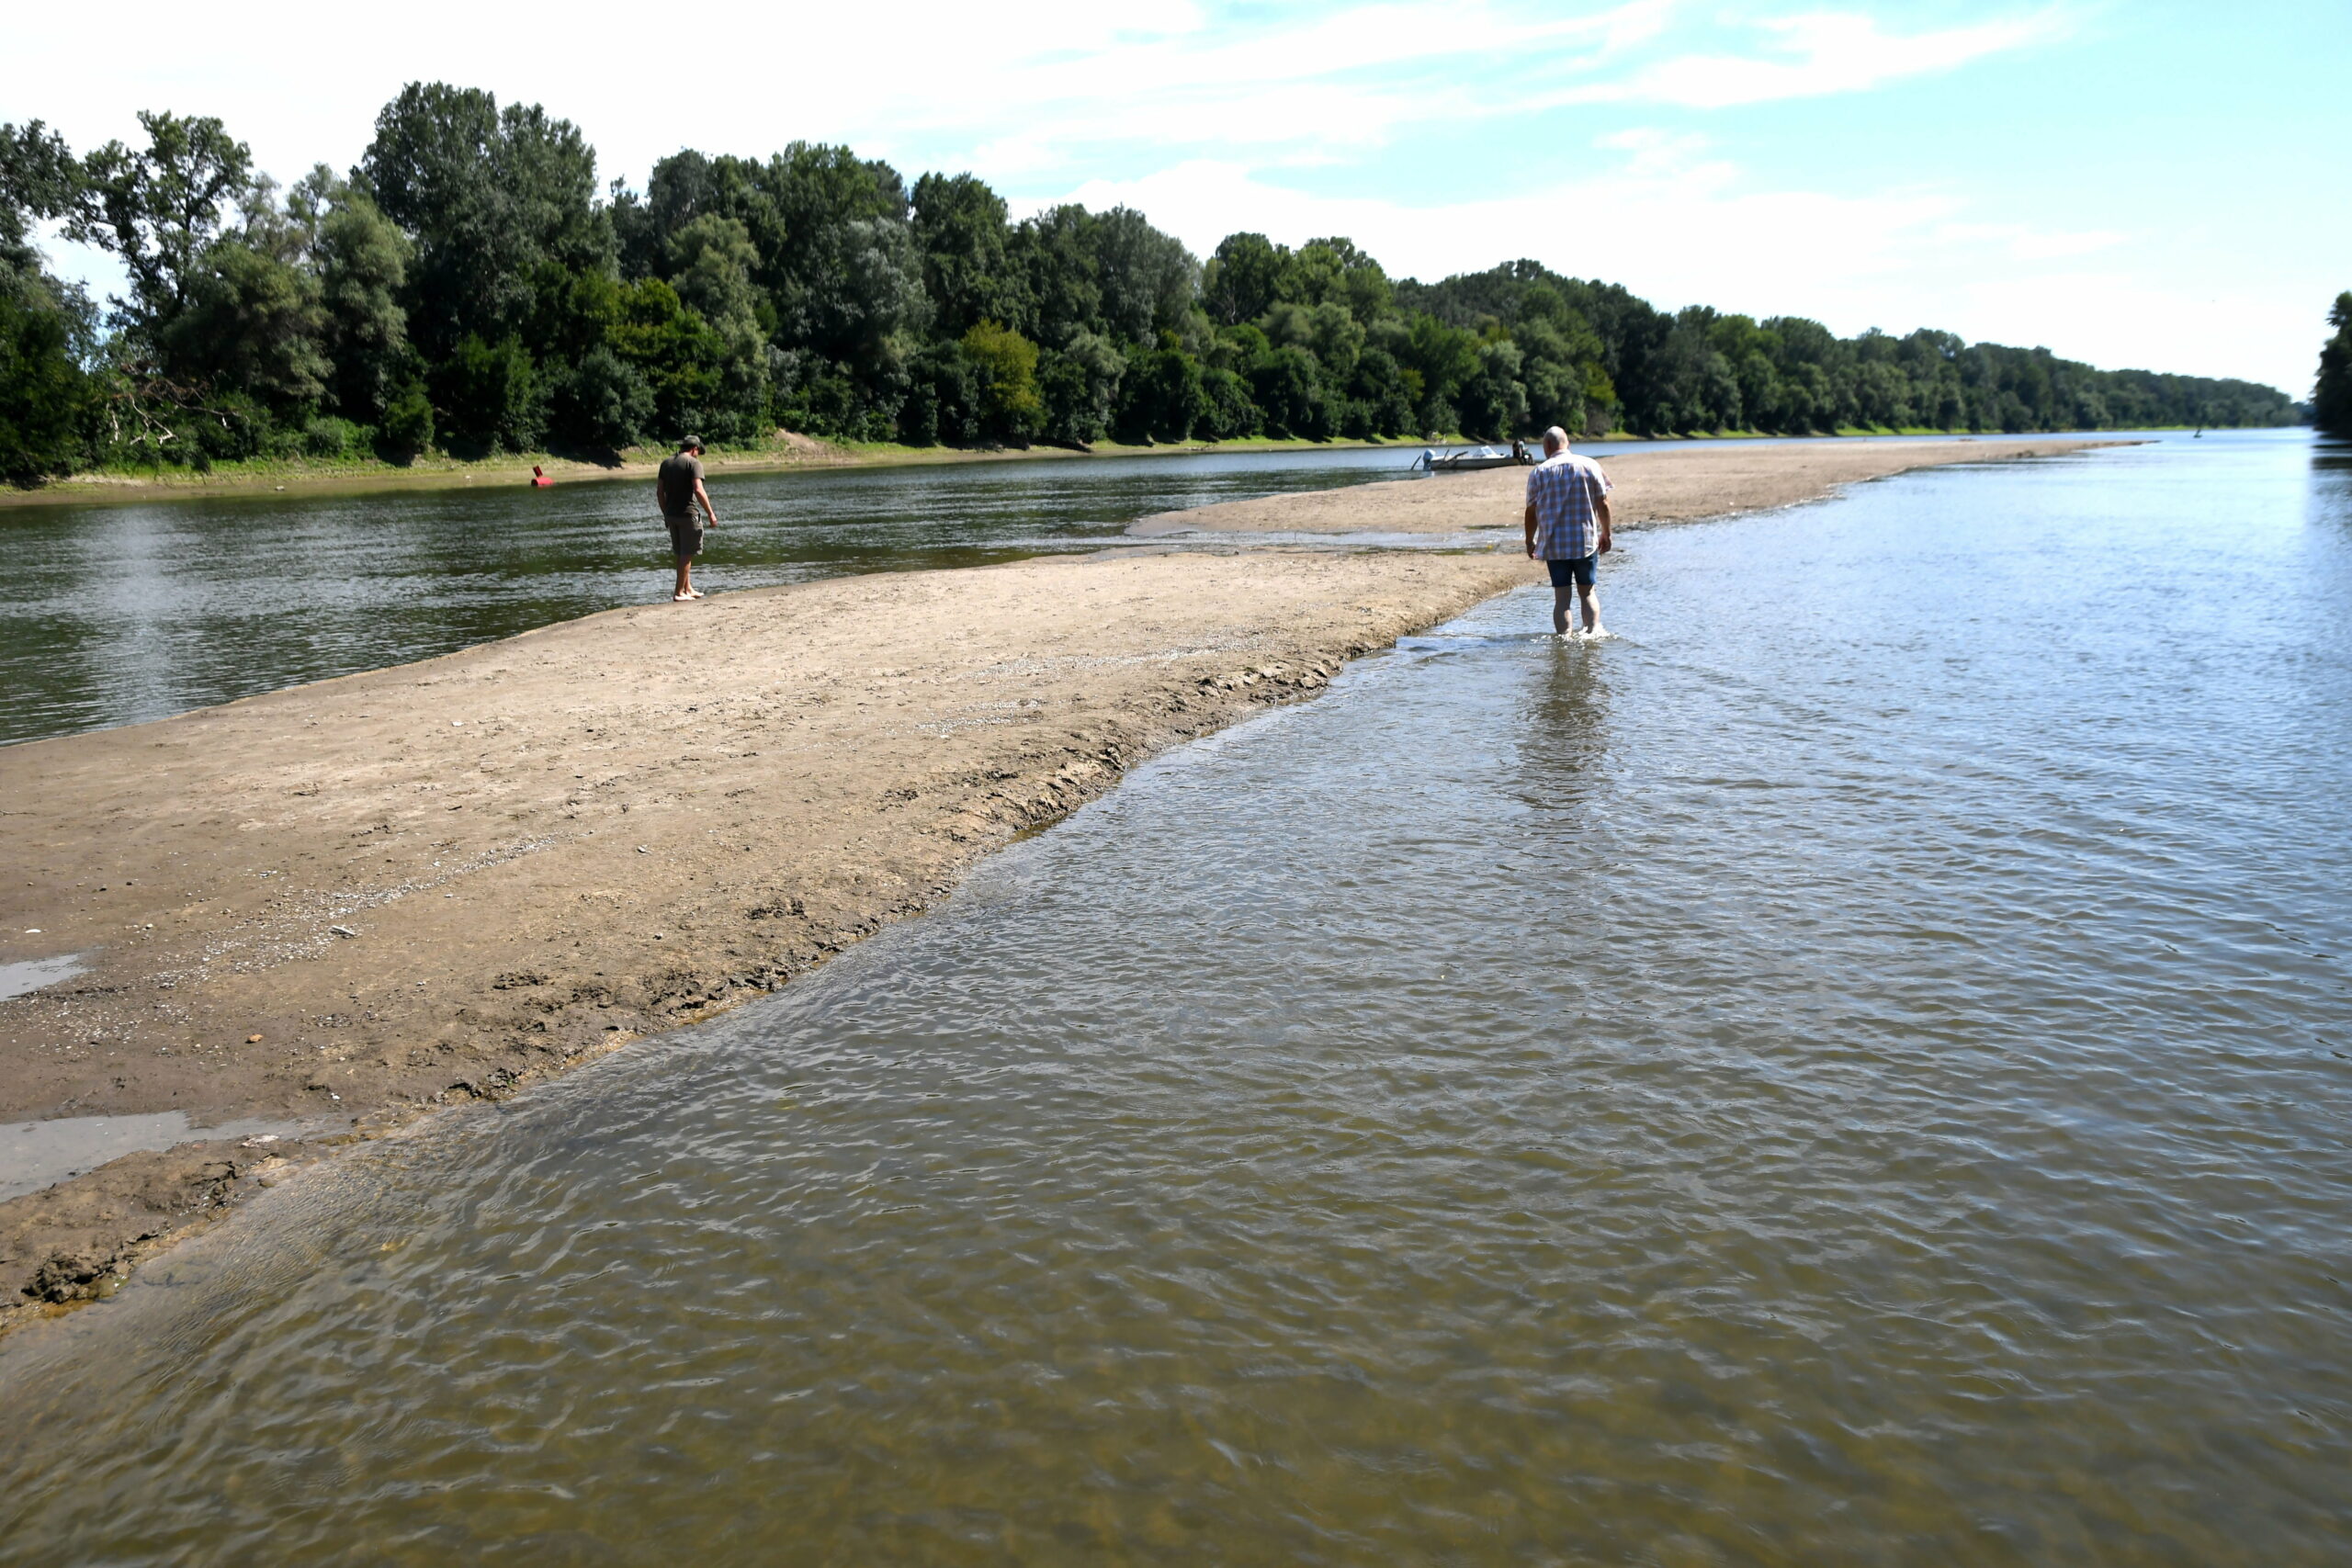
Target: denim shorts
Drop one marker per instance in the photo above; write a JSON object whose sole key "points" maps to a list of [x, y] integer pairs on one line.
{"points": [[1578, 571]]}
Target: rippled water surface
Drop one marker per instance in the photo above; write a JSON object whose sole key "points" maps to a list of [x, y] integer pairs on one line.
{"points": [[1852, 1071], [119, 612]]}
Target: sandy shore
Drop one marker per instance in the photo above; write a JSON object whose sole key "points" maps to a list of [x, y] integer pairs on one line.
{"points": [[1680, 484], [348, 903]]}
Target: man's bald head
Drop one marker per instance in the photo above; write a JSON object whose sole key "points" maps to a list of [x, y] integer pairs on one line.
{"points": [[1556, 441]]}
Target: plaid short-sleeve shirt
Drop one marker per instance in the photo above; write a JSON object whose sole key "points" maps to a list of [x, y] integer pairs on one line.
{"points": [[1565, 491]]}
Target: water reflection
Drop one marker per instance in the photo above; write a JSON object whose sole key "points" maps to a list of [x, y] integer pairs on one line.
{"points": [[1563, 748], [2331, 484], [1844, 1076], [122, 612]]}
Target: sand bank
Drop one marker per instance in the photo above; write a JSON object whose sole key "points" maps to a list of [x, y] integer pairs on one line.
{"points": [[364, 898], [1677, 484], [347, 903]]}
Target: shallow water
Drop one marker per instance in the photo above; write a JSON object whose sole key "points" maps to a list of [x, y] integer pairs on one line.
{"points": [[34, 1155], [1856, 1069], [34, 974], [122, 613]]}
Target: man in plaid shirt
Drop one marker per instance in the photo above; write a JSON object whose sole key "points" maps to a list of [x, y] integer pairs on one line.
{"points": [[1568, 526]]}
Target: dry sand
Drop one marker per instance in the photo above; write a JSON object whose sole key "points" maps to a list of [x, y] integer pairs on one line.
{"points": [[349, 902]]}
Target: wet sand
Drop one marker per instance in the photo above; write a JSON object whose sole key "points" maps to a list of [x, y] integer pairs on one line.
{"points": [[349, 903]]}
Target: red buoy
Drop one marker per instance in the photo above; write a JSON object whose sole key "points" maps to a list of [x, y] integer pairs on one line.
{"points": [[538, 477]]}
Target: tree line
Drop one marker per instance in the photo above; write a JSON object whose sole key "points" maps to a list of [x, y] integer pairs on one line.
{"points": [[468, 286], [2332, 397]]}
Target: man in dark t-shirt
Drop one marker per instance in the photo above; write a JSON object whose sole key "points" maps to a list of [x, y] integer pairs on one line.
{"points": [[678, 486]]}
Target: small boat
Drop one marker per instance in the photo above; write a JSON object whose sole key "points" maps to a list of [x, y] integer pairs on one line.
{"points": [[1473, 458]]}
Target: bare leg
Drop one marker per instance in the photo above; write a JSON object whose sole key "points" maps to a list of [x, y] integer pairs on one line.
{"points": [[1560, 602], [1591, 610], [685, 577]]}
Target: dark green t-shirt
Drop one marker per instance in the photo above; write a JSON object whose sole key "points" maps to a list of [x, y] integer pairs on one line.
{"points": [[674, 486]]}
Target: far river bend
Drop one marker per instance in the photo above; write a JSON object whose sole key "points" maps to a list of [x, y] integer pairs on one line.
{"points": [[1855, 1070]]}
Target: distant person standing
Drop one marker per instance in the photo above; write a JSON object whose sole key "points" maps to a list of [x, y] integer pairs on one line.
{"points": [[678, 487], [1568, 526]]}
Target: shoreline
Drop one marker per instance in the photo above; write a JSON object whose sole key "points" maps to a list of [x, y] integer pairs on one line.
{"points": [[795, 454], [353, 902], [1656, 486], [792, 454]]}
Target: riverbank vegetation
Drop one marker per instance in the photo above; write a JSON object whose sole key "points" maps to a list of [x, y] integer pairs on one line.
{"points": [[468, 288], [2332, 395]]}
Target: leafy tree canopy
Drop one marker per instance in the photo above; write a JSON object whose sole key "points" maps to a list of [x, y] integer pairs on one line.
{"points": [[470, 285]]}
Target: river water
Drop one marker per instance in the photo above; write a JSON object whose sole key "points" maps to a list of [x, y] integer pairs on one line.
{"points": [[121, 612], [118, 613], [1857, 1069]]}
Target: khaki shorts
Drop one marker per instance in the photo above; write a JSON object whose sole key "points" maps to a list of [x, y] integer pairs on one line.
{"points": [[686, 537]]}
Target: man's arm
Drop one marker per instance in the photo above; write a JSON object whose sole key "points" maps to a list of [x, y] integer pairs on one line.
{"points": [[1531, 530], [1600, 509], [704, 496]]}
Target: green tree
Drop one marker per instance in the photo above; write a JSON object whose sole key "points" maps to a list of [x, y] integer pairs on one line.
{"points": [[602, 404], [2332, 397], [44, 395], [250, 322], [1228, 411], [1382, 390], [487, 197], [161, 208], [713, 260], [962, 236], [1243, 279], [1333, 271], [488, 396], [1163, 398], [1147, 278], [1442, 357], [1055, 254], [687, 186], [942, 398], [249, 330], [1006, 364], [1492, 402], [39, 178], [407, 427], [363, 260], [1287, 386], [1079, 383], [682, 359], [47, 327]]}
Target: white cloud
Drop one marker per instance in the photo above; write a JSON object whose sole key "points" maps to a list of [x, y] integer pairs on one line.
{"points": [[1212, 120], [1680, 228], [1817, 54], [1016, 86]]}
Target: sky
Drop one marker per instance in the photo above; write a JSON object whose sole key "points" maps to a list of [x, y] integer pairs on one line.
{"points": [[2136, 183]]}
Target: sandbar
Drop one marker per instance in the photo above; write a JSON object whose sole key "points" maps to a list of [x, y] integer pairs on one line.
{"points": [[1664, 484], [344, 904]]}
